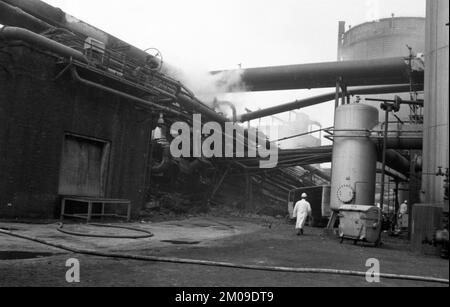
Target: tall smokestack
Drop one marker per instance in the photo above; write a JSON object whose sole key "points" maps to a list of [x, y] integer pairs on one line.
{"points": [[341, 33]]}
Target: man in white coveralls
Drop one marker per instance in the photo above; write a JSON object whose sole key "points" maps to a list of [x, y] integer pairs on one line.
{"points": [[301, 210]]}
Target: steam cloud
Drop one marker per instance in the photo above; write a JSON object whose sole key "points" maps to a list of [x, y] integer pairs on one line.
{"points": [[206, 86]]}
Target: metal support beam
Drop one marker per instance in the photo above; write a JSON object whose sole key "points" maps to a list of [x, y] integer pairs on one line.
{"points": [[388, 108], [219, 184]]}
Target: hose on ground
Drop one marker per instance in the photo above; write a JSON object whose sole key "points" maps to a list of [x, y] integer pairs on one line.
{"points": [[147, 234], [225, 264]]}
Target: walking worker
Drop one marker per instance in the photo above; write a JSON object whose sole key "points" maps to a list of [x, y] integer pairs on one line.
{"points": [[302, 210]]}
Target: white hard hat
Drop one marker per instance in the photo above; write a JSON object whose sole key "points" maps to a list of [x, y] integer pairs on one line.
{"points": [[304, 195], [405, 201]]}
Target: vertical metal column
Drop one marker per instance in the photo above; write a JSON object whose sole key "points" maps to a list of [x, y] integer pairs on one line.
{"points": [[383, 168], [336, 99], [63, 208], [396, 202], [333, 217]]}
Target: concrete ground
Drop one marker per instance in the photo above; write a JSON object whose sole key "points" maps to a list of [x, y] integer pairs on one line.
{"points": [[238, 240]]}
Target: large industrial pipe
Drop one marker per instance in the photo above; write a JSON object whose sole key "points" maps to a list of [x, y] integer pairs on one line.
{"points": [[58, 18], [307, 102], [165, 161], [398, 140], [14, 33], [140, 101], [196, 106], [13, 16], [20, 34], [396, 161], [230, 105], [317, 172], [320, 75]]}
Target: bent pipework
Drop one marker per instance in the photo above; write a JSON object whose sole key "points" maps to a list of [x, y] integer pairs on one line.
{"points": [[183, 165], [166, 161], [20, 34], [14, 16], [399, 140], [396, 161], [58, 18], [144, 103], [193, 103], [189, 168], [229, 104]]}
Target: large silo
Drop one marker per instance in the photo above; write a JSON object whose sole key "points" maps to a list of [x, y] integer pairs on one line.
{"points": [[384, 38], [388, 37], [436, 113]]}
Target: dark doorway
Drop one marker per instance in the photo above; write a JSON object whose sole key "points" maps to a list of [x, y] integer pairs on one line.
{"points": [[84, 166]]}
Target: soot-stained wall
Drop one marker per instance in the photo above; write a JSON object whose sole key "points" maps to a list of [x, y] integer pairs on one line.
{"points": [[36, 112]]}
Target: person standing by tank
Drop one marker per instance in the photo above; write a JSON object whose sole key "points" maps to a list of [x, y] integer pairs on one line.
{"points": [[301, 211], [402, 217]]}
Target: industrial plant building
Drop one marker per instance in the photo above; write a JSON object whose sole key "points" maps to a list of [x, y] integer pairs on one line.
{"points": [[79, 111]]}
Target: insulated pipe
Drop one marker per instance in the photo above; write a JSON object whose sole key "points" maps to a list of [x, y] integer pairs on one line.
{"points": [[229, 104], [406, 142], [13, 16], [307, 102], [142, 102], [319, 75], [196, 106], [405, 136], [60, 19], [190, 103], [396, 161], [165, 162], [188, 167], [14, 33], [317, 172], [393, 174]]}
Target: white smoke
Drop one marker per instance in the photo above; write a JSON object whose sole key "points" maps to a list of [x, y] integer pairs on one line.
{"points": [[206, 86]]}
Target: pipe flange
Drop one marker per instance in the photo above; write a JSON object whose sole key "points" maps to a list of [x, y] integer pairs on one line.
{"points": [[345, 193]]}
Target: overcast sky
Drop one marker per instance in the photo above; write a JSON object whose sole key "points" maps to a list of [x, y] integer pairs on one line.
{"points": [[221, 34]]}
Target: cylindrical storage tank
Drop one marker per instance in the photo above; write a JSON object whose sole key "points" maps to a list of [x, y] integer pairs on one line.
{"points": [[384, 38], [436, 136], [354, 156]]}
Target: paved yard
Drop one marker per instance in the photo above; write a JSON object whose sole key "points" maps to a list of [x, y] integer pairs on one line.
{"points": [[237, 240]]}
